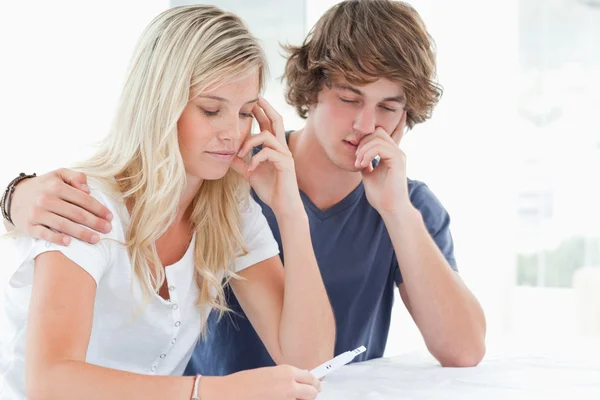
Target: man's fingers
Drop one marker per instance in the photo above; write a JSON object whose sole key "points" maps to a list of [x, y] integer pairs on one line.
{"points": [[362, 150], [381, 149], [78, 215], [76, 179], [41, 232], [368, 157], [70, 228], [364, 141], [85, 201], [378, 134], [398, 133]]}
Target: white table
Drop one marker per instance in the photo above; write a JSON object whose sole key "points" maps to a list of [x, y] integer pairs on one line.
{"points": [[528, 376]]}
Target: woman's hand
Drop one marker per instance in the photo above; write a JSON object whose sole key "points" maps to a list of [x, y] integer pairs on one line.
{"points": [[271, 171], [282, 382]]}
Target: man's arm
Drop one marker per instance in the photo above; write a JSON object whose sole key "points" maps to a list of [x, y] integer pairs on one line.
{"points": [[53, 207], [446, 312]]}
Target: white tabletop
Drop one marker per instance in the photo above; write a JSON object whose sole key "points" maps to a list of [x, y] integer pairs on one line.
{"points": [[529, 375]]}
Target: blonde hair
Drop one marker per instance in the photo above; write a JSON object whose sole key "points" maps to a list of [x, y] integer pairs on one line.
{"points": [[362, 41], [183, 49]]}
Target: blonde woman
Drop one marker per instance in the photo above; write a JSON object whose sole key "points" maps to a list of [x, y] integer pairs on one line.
{"points": [[111, 320]]}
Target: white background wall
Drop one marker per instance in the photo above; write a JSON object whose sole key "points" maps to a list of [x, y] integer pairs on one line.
{"points": [[63, 64], [61, 70]]}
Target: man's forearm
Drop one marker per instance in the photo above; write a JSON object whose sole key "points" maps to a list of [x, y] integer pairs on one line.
{"points": [[448, 315], [307, 330]]}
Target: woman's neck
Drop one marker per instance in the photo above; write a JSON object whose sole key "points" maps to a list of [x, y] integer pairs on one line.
{"points": [[189, 193]]}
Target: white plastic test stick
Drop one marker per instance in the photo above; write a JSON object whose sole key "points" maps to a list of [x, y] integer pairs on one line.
{"points": [[337, 362]]}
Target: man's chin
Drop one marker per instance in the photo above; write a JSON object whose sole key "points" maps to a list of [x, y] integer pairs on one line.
{"points": [[346, 164]]}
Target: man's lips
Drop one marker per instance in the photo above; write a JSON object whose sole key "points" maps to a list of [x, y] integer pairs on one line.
{"points": [[350, 144]]}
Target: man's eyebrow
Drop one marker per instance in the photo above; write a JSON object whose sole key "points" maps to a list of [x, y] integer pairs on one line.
{"points": [[399, 99], [343, 86]]}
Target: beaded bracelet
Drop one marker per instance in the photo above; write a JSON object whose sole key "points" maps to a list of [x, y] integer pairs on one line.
{"points": [[7, 196]]}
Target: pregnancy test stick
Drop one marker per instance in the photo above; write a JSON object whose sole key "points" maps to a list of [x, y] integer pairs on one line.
{"points": [[337, 362]]}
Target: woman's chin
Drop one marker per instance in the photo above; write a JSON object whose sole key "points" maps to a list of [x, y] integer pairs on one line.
{"points": [[213, 175]]}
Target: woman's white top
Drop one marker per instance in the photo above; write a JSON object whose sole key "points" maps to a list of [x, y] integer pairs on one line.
{"points": [[159, 339]]}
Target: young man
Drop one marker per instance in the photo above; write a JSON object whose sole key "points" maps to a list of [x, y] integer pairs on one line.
{"points": [[364, 73]]}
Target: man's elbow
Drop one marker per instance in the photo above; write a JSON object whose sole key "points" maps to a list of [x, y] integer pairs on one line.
{"points": [[324, 353], [468, 357], [311, 355], [307, 358]]}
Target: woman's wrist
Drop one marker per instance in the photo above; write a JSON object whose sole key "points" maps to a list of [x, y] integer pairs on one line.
{"points": [[210, 388]]}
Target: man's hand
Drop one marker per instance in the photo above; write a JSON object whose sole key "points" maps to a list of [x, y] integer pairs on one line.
{"points": [[52, 206], [385, 186]]}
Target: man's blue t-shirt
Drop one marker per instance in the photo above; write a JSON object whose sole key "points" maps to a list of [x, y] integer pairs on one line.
{"points": [[360, 271]]}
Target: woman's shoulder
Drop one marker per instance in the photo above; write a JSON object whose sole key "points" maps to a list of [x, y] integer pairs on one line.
{"points": [[94, 258], [106, 193]]}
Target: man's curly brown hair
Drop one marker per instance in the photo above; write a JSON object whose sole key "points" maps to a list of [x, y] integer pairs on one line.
{"points": [[363, 41]]}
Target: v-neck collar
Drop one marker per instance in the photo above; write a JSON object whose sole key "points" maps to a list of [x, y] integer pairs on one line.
{"points": [[336, 208]]}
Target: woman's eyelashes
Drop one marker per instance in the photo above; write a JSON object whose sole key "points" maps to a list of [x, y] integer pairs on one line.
{"points": [[210, 113]]}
